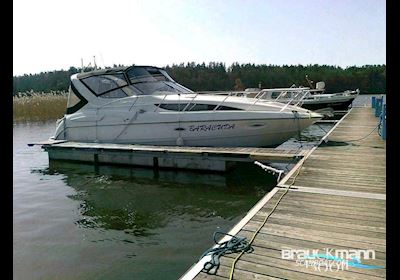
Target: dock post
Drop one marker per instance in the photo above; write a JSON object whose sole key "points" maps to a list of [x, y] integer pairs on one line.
{"points": [[373, 101], [378, 107], [155, 162], [96, 163], [383, 123]]}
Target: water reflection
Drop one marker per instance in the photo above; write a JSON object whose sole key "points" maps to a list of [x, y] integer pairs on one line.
{"points": [[138, 201]]}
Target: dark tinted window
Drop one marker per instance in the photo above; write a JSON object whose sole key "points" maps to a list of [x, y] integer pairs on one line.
{"points": [[194, 107], [275, 94], [200, 107], [226, 108], [172, 107]]}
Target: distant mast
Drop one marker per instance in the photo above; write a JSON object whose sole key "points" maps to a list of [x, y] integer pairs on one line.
{"points": [[94, 62], [310, 82], [89, 65]]}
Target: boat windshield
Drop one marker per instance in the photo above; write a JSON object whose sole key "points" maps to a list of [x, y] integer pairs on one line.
{"points": [[141, 81], [148, 80]]}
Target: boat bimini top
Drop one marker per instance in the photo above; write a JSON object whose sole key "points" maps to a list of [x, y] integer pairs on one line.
{"points": [[119, 83]]}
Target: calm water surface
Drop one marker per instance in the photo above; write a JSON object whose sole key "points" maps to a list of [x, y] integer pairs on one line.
{"points": [[74, 222]]}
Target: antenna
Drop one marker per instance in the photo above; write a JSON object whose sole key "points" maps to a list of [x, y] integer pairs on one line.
{"points": [[102, 60], [309, 82], [94, 62]]}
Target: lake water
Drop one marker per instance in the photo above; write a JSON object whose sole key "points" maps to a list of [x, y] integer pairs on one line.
{"points": [[72, 221]]}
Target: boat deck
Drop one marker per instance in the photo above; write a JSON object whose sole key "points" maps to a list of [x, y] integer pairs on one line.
{"points": [[334, 198]]}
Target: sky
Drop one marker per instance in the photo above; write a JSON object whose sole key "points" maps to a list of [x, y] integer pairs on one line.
{"points": [[53, 35]]}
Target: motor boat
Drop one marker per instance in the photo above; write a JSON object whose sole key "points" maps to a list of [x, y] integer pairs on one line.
{"points": [[144, 105], [336, 101], [309, 98], [318, 99]]}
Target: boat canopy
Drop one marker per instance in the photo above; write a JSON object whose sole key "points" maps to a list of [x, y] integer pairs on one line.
{"points": [[126, 81]]}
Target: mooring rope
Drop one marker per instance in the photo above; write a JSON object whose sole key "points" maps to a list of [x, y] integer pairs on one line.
{"points": [[265, 220], [234, 245], [362, 138], [366, 136], [274, 208], [296, 116], [321, 128]]}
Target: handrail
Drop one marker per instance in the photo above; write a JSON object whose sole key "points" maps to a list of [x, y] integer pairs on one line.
{"points": [[257, 99], [299, 103], [222, 102], [291, 100], [190, 102], [119, 99], [158, 107], [297, 90], [193, 96]]}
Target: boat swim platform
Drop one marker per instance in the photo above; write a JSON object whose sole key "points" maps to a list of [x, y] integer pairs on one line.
{"points": [[333, 198], [194, 158]]}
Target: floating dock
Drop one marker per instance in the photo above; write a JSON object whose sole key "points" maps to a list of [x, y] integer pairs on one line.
{"points": [[334, 198], [200, 158], [193, 158]]}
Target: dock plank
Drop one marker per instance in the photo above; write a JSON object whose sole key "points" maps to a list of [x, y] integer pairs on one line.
{"points": [[337, 201]]}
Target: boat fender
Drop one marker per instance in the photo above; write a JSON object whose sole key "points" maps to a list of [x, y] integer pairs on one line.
{"points": [[179, 141]]}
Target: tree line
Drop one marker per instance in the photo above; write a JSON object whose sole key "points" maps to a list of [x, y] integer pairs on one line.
{"points": [[217, 76]]}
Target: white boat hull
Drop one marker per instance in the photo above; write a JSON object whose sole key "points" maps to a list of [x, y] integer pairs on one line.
{"points": [[226, 133]]}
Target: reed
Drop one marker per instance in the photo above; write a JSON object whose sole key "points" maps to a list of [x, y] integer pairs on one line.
{"points": [[35, 106]]}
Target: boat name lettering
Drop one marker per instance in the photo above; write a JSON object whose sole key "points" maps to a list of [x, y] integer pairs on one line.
{"points": [[211, 127]]}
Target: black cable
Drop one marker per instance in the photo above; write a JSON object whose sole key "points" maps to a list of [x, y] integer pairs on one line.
{"points": [[234, 245]]}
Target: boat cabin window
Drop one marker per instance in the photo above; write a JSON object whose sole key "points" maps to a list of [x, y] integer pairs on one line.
{"points": [[75, 100], [284, 94], [275, 94], [118, 93], [194, 107], [72, 98], [106, 85]]}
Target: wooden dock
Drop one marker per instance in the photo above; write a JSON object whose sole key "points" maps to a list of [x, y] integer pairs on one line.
{"points": [[200, 158], [335, 198]]}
